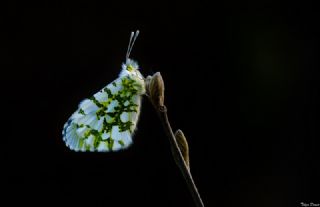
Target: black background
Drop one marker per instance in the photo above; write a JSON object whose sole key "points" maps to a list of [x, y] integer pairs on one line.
{"points": [[241, 82]]}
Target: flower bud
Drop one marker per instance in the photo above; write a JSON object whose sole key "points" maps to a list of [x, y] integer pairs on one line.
{"points": [[155, 89], [183, 146]]}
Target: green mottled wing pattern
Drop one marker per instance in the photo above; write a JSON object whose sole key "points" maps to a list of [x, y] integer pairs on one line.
{"points": [[107, 120]]}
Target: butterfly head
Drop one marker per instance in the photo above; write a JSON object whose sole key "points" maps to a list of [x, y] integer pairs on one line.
{"points": [[130, 65], [131, 68]]}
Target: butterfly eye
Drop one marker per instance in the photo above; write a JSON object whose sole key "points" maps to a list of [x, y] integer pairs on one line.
{"points": [[130, 68]]}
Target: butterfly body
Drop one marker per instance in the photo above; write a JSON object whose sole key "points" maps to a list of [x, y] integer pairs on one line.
{"points": [[106, 121]]}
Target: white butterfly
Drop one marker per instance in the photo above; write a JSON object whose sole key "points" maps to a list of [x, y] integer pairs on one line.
{"points": [[107, 120]]}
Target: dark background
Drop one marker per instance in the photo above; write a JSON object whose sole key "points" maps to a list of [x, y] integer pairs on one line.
{"points": [[241, 82]]}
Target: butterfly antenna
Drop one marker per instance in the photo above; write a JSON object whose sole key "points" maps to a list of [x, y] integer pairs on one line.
{"points": [[129, 45], [133, 38]]}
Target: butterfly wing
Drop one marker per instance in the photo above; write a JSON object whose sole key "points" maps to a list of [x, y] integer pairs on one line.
{"points": [[107, 120]]}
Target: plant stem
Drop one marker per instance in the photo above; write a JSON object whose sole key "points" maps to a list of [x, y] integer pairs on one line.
{"points": [[177, 155]]}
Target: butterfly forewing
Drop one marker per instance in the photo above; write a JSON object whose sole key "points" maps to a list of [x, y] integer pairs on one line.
{"points": [[107, 120]]}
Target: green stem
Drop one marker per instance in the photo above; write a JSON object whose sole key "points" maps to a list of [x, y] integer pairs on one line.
{"points": [[177, 155]]}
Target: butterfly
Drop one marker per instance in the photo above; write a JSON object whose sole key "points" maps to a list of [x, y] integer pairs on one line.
{"points": [[106, 121]]}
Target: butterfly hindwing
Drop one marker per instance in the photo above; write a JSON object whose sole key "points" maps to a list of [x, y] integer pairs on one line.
{"points": [[107, 120]]}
